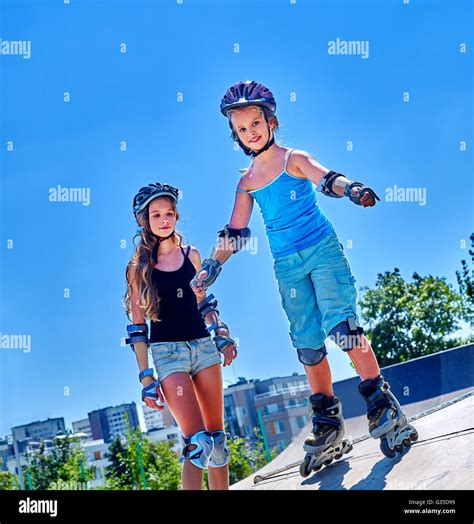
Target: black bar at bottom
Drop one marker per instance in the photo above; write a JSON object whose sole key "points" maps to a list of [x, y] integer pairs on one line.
{"points": [[222, 506]]}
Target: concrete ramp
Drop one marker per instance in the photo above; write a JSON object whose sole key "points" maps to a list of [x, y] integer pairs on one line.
{"points": [[441, 459]]}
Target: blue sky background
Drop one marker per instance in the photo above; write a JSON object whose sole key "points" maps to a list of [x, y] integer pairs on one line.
{"points": [[189, 48]]}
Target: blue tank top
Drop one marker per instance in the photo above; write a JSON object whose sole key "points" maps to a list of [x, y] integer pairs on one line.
{"points": [[293, 220]]}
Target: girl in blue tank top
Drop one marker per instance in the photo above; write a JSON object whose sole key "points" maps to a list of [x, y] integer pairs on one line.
{"points": [[293, 220], [314, 277]]}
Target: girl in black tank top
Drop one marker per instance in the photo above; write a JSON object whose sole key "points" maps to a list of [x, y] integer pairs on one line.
{"points": [[186, 357], [180, 317]]}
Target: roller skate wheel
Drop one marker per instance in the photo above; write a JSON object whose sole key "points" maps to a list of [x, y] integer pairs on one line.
{"points": [[414, 435], [406, 442], [386, 450], [305, 470], [398, 448], [317, 468], [327, 462], [338, 456]]}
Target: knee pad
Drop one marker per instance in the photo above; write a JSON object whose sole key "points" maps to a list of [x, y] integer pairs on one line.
{"points": [[198, 448], [311, 357], [346, 334], [221, 453]]}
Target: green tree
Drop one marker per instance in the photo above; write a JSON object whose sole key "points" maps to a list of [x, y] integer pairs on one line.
{"points": [[60, 463], [239, 464], [128, 474], [465, 278], [256, 451], [40, 468], [75, 469], [8, 480], [410, 319], [118, 473], [161, 467]]}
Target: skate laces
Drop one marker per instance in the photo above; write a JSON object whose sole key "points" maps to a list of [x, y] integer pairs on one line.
{"points": [[321, 424], [376, 402]]}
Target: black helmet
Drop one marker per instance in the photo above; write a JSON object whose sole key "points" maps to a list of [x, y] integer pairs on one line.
{"points": [[249, 93], [148, 193]]}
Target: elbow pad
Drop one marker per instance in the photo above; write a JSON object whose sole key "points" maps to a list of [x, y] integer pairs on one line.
{"points": [[234, 239], [137, 333], [327, 183], [207, 305]]}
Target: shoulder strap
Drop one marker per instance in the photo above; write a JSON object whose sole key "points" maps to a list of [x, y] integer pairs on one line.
{"points": [[188, 250], [287, 157]]}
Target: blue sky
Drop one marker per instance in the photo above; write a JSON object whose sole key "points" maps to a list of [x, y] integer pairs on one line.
{"points": [[189, 48]]}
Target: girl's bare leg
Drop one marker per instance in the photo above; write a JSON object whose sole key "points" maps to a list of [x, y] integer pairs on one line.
{"points": [[208, 386], [320, 379], [364, 360], [180, 396]]}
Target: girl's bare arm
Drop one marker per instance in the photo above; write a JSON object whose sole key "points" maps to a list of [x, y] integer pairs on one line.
{"points": [[306, 166], [240, 218], [141, 349]]}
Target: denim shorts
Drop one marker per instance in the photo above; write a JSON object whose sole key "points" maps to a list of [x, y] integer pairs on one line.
{"points": [[317, 291], [189, 356]]}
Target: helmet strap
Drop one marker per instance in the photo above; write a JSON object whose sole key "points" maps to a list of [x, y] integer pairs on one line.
{"points": [[154, 254]]}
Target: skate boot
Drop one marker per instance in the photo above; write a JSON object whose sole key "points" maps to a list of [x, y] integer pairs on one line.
{"points": [[325, 442], [387, 421]]}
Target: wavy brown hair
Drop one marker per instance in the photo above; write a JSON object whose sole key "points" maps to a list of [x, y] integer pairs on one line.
{"points": [[142, 263]]}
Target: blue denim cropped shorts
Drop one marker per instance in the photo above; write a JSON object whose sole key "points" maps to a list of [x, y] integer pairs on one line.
{"points": [[189, 356], [317, 291]]}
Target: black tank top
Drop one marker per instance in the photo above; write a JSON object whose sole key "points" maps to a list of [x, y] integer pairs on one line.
{"points": [[178, 311]]}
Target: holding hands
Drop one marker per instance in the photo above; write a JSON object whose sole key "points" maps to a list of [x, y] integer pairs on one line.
{"points": [[206, 275]]}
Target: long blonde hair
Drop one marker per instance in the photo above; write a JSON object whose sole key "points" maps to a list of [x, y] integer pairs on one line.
{"points": [[142, 263]]}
